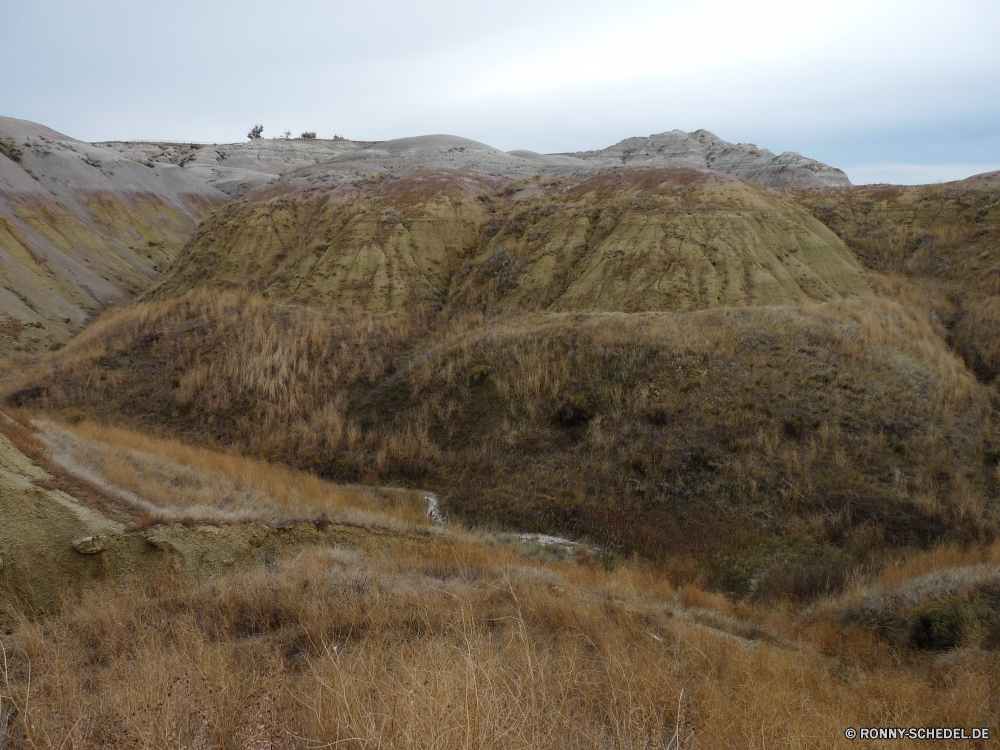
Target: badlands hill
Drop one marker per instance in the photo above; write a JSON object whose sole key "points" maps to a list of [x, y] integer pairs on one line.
{"points": [[84, 225], [939, 243], [235, 168], [441, 219], [703, 150], [81, 228], [986, 178]]}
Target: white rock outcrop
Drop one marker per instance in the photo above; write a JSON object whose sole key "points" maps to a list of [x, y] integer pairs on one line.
{"points": [[703, 150]]}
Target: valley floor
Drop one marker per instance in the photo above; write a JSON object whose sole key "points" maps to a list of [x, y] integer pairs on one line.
{"points": [[402, 634]]}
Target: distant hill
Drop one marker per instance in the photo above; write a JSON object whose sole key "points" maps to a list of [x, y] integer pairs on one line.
{"points": [[81, 228], [84, 225], [445, 220], [703, 150], [984, 179], [237, 168]]}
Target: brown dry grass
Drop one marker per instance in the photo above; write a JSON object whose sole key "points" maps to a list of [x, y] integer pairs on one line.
{"points": [[936, 245], [457, 646], [170, 481], [849, 423]]}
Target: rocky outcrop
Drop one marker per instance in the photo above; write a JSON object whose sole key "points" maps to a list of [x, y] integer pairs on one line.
{"points": [[239, 168], [81, 228], [703, 150], [623, 240], [236, 168]]}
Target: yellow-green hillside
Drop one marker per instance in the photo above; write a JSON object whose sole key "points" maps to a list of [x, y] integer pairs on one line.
{"points": [[630, 240], [937, 245]]}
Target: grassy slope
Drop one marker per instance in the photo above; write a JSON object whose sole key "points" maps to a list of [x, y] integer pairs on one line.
{"points": [[799, 438], [849, 424], [940, 247], [375, 639], [835, 427]]}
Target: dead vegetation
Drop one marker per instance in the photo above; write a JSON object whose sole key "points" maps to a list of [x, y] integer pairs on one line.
{"points": [[940, 242], [166, 481], [460, 645], [810, 491], [825, 431]]}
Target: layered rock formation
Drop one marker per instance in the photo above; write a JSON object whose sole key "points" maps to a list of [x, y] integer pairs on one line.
{"points": [[703, 150], [626, 240], [239, 168], [413, 220], [81, 228], [236, 168]]}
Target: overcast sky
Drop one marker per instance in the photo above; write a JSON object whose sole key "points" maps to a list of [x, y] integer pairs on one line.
{"points": [[890, 91]]}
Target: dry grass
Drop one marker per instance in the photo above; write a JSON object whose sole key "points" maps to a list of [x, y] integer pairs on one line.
{"points": [[456, 646], [851, 423], [937, 247], [167, 481], [806, 458]]}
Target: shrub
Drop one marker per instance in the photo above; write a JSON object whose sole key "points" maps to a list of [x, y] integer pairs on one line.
{"points": [[936, 625], [640, 463], [574, 411], [255, 132], [793, 427], [11, 150], [308, 135], [658, 415]]}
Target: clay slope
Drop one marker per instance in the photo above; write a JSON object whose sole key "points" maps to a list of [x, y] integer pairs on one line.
{"points": [[626, 240], [703, 150], [81, 228], [236, 168]]}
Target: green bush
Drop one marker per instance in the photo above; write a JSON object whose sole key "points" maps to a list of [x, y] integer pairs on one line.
{"points": [[936, 625]]}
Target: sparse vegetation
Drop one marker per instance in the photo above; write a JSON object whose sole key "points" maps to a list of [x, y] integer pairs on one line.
{"points": [[788, 514], [533, 421], [309, 135], [11, 150], [936, 248], [463, 642], [256, 131]]}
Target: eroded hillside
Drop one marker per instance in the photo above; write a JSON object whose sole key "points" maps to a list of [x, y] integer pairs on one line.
{"points": [[704, 150], [846, 423], [82, 228], [627, 240], [936, 247]]}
